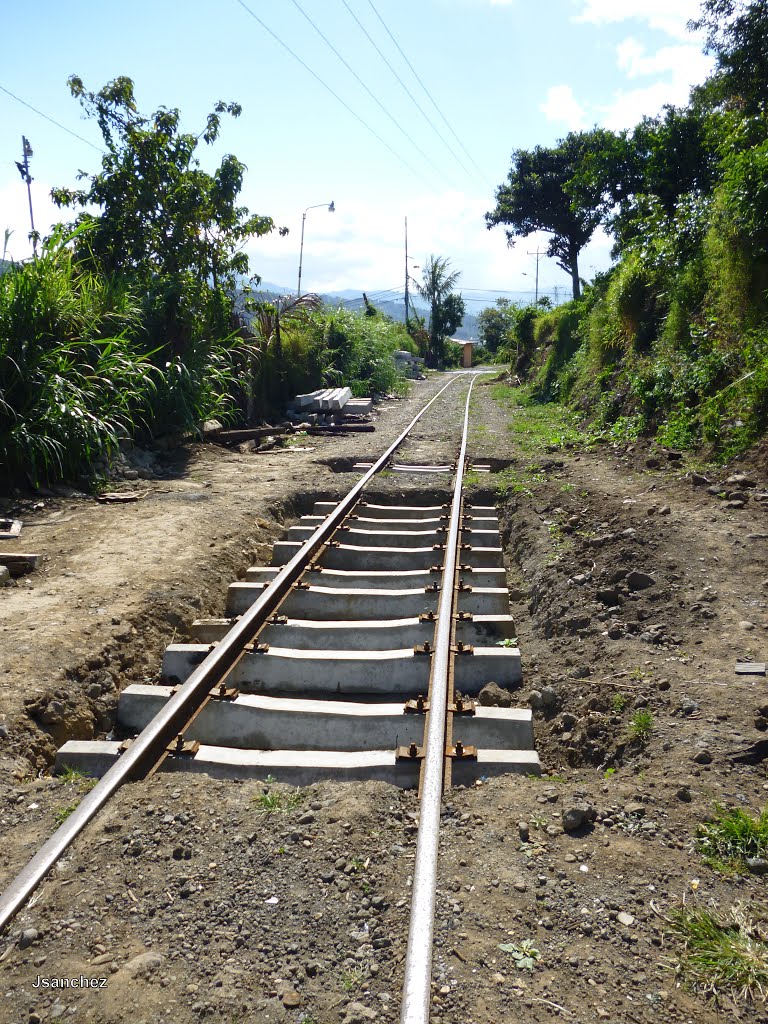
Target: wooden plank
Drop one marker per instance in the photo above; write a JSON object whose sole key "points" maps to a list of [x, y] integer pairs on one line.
{"points": [[343, 428], [17, 563], [249, 434]]}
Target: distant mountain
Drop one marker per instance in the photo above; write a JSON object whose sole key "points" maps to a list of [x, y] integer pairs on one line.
{"points": [[352, 298]]}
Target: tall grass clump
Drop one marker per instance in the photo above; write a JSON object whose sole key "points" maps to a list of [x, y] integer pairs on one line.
{"points": [[72, 378], [723, 956], [732, 837]]}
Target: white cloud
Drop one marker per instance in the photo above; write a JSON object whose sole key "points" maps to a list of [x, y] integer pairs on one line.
{"points": [[562, 106], [687, 64], [361, 246], [676, 69], [682, 66], [670, 16]]}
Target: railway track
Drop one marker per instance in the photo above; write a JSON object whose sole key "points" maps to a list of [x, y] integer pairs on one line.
{"points": [[356, 655]]}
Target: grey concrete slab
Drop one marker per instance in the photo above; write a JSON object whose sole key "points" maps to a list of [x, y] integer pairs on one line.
{"points": [[368, 580], [354, 536], [397, 672], [333, 603], [376, 511], [359, 406], [483, 630], [319, 602], [347, 556], [313, 672], [302, 768], [360, 635], [209, 631], [269, 723], [349, 579], [361, 522]]}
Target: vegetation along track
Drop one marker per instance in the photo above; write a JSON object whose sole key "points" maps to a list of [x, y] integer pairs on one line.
{"points": [[355, 656]]}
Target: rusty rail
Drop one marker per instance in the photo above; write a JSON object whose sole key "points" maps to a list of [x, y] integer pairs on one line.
{"points": [[148, 747]]}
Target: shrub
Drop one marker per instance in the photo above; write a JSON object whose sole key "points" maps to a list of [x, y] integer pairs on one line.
{"points": [[72, 380]]}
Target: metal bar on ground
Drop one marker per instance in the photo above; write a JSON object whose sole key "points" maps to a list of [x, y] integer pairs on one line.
{"points": [[164, 727], [418, 961]]}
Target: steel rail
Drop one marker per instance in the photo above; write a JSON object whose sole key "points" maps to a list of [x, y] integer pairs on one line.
{"points": [[418, 960], [164, 726]]}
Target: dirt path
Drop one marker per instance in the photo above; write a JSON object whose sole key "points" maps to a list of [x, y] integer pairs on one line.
{"points": [[634, 591]]}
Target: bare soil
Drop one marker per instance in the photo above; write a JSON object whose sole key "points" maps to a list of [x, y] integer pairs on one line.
{"points": [[194, 903]]}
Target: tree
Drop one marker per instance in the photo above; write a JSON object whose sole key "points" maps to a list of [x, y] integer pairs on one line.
{"points": [[737, 33], [446, 308], [495, 324], [170, 229], [534, 198], [650, 167]]}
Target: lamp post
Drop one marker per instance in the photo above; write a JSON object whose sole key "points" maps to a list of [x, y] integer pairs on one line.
{"points": [[331, 209]]}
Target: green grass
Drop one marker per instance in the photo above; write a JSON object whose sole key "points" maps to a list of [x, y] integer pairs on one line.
{"points": [[619, 702], [732, 837], [641, 725], [84, 782], [275, 801], [352, 978], [537, 428], [723, 957], [61, 815]]}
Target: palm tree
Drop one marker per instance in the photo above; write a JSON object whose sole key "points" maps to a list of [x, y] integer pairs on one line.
{"points": [[436, 287], [267, 322]]}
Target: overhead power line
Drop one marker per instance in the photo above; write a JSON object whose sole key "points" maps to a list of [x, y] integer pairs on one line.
{"points": [[426, 90], [47, 118], [451, 149], [325, 85], [372, 94]]}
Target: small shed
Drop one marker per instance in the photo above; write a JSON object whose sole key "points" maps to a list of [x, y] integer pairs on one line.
{"points": [[466, 355]]}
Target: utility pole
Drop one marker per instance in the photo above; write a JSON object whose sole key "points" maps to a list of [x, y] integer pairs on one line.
{"points": [[26, 151], [538, 256], [406, 273]]}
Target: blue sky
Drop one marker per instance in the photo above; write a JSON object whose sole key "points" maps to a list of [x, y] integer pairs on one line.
{"points": [[504, 73]]}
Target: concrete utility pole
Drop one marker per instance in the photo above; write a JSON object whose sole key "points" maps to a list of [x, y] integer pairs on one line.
{"points": [[538, 256], [406, 273], [26, 153]]}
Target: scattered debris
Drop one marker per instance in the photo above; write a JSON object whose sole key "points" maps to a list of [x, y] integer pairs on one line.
{"points": [[120, 497]]}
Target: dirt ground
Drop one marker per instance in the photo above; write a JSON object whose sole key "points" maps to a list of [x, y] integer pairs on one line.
{"points": [[635, 586]]}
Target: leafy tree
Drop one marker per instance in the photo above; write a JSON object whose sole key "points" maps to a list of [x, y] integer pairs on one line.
{"points": [[535, 198], [173, 231], [496, 324], [737, 33], [647, 169], [446, 307]]}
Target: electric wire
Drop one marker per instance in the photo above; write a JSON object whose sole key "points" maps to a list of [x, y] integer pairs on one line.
{"points": [[325, 85], [372, 94], [47, 118], [429, 95], [451, 149]]}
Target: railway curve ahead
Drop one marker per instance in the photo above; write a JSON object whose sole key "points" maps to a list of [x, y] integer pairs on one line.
{"points": [[355, 655]]}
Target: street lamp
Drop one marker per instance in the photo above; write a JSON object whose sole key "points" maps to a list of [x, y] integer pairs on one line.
{"points": [[331, 209]]}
